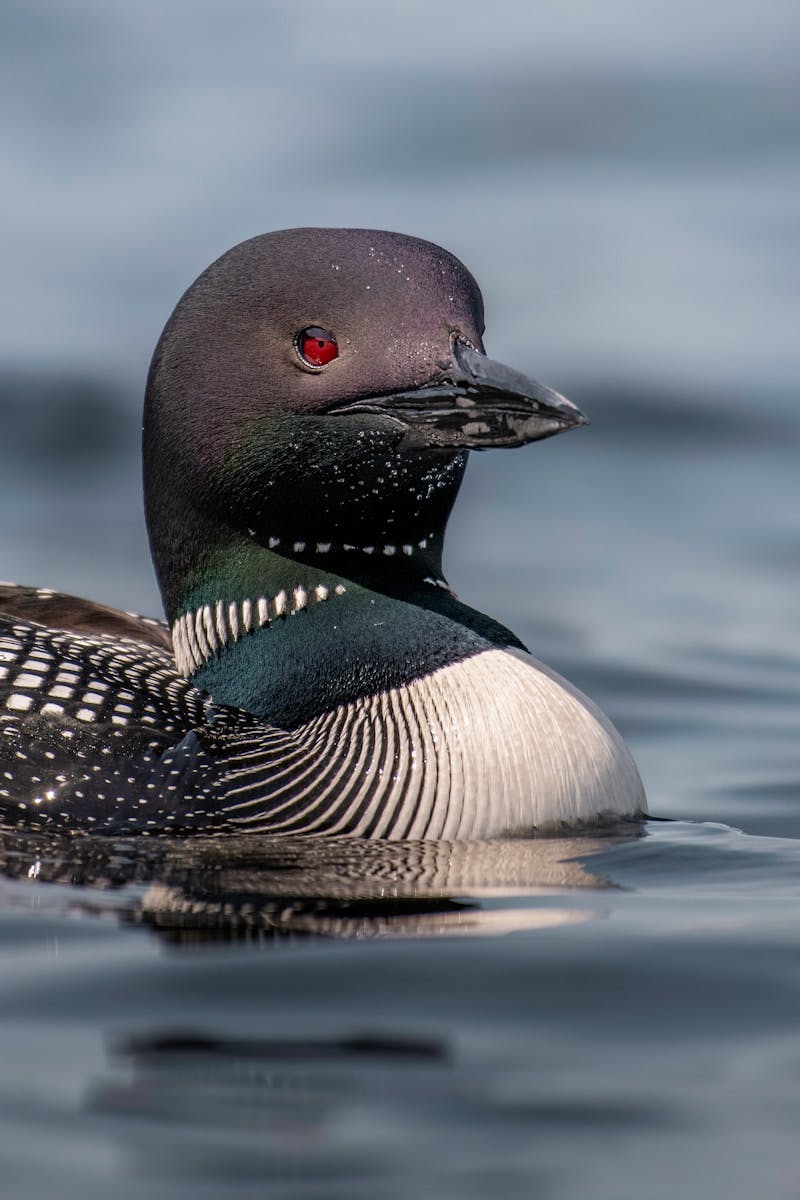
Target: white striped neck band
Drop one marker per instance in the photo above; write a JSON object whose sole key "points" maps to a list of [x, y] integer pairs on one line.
{"points": [[201, 633]]}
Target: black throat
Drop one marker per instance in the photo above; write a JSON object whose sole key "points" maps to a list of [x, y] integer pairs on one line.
{"points": [[306, 492]]}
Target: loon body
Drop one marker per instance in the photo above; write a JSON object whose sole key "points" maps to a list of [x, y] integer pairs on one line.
{"points": [[309, 411]]}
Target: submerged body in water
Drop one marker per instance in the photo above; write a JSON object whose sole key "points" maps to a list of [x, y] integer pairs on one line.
{"points": [[309, 411]]}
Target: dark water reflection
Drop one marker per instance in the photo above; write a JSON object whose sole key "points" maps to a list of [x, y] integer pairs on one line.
{"points": [[258, 1020], [262, 889]]}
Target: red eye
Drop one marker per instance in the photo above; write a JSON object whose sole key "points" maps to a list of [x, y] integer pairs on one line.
{"points": [[316, 346]]}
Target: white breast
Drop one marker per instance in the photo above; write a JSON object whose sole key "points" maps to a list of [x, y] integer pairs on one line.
{"points": [[495, 744], [514, 746]]}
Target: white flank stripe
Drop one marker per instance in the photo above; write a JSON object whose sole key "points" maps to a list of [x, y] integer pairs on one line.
{"points": [[263, 610], [200, 635], [188, 660], [233, 619], [208, 622], [300, 598], [191, 647], [179, 649], [280, 604], [194, 649], [219, 621], [247, 615]]}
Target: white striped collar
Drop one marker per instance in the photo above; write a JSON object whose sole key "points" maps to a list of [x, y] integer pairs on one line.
{"points": [[200, 633]]}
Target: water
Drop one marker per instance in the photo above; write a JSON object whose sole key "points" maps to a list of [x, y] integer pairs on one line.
{"points": [[501, 1022], [588, 1018]]}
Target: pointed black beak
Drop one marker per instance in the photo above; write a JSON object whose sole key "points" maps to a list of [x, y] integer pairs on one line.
{"points": [[477, 404]]}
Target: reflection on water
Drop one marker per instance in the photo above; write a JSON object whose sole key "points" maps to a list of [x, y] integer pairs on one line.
{"points": [[260, 889], [649, 1054], [622, 180]]}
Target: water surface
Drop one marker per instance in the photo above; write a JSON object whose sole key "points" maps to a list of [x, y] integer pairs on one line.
{"points": [[594, 1018]]}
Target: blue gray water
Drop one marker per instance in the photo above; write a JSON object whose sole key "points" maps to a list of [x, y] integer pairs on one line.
{"points": [[594, 1019]]}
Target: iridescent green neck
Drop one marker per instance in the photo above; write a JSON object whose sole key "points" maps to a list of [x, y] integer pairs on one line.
{"points": [[286, 640]]}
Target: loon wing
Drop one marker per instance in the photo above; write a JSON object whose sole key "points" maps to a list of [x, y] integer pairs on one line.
{"points": [[57, 610], [85, 721], [99, 733]]}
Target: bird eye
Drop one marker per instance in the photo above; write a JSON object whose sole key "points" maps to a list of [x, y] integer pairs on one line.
{"points": [[316, 346]]}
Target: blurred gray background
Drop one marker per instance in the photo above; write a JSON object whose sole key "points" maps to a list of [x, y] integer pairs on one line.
{"points": [[622, 180]]}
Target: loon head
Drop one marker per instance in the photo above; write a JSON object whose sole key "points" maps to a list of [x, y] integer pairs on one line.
{"points": [[314, 394]]}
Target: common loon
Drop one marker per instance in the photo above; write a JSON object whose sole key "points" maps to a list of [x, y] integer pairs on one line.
{"points": [[308, 415]]}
